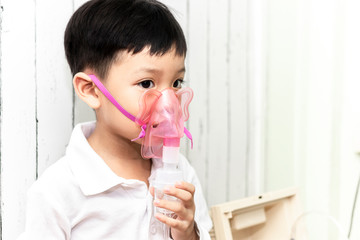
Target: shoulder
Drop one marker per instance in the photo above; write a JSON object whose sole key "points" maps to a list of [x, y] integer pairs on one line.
{"points": [[56, 181], [55, 173], [47, 214]]}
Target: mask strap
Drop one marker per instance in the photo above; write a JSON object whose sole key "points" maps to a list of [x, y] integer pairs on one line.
{"points": [[107, 94], [188, 134]]}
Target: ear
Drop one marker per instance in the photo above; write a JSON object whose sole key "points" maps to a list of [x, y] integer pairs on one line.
{"points": [[86, 90]]}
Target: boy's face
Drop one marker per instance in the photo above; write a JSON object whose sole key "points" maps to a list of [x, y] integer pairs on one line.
{"points": [[129, 77]]}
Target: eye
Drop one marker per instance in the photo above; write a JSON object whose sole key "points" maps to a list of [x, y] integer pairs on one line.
{"points": [[178, 83], [146, 84]]}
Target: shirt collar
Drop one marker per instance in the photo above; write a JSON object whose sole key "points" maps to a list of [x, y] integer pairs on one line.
{"points": [[89, 169]]}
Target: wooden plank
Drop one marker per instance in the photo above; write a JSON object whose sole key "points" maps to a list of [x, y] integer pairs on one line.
{"points": [[335, 190], [221, 223], [238, 100], [314, 112], [257, 84], [197, 77], [18, 119], [320, 111], [301, 86], [82, 112], [54, 85], [350, 118], [179, 10], [280, 91], [78, 3], [217, 88]]}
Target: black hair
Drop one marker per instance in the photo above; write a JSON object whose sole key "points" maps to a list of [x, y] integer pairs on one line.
{"points": [[99, 29]]}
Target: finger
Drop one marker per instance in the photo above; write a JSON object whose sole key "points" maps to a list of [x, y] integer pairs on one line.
{"points": [[173, 223], [181, 194], [151, 189], [173, 206], [185, 186]]}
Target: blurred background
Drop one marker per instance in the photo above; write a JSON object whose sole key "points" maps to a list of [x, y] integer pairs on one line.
{"points": [[276, 86]]}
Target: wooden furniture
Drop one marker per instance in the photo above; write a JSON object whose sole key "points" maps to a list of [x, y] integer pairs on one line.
{"points": [[261, 217]]}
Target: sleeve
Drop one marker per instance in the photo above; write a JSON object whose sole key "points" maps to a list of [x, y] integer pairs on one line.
{"points": [[45, 219], [202, 217]]}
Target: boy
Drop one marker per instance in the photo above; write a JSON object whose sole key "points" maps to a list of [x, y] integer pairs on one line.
{"points": [[100, 188]]}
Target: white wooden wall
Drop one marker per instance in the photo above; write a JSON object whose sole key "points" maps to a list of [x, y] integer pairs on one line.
{"points": [[39, 109], [276, 90], [313, 112]]}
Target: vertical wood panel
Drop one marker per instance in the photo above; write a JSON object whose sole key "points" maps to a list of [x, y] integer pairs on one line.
{"points": [[198, 80], [349, 162], [301, 86], [320, 109], [18, 120], [338, 28], [82, 112], [280, 92], [218, 101], [257, 83], [179, 10], [54, 88], [78, 3], [238, 99]]}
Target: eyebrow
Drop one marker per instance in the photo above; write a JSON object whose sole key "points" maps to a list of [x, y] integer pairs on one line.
{"points": [[155, 70]]}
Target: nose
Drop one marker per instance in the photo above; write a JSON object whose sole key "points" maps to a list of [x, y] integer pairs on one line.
{"points": [[168, 103], [166, 84]]}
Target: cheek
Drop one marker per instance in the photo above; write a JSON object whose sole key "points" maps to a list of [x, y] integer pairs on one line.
{"points": [[132, 108], [118, 122], [129, 100]]}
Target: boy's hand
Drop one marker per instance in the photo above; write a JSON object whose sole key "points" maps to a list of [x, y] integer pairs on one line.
{"points": [[183, 224]]}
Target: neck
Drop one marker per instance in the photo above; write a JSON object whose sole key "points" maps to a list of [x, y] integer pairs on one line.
{"points": [[120, 154]]}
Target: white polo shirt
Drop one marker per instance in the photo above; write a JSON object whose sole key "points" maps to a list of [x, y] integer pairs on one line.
{"points": [[81, 198]]}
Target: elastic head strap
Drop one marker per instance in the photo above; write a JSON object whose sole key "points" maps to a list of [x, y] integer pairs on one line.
{"points": [[107, 94]]}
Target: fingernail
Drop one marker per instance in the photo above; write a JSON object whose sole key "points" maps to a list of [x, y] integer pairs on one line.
{"points": [[156, 201], [178, 183], [167, 189]]}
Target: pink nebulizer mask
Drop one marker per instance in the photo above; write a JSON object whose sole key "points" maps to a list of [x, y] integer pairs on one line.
{"points": [[164, 114], [161, 117]]}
